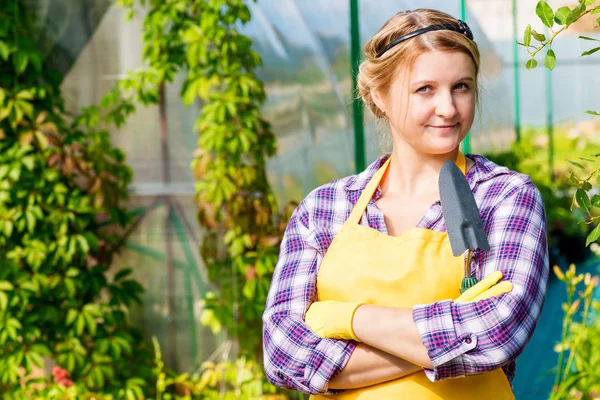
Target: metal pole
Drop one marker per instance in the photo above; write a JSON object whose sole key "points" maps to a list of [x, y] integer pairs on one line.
{"points": [[549, 118], [516, 74], [357, 107], [463, 16]]}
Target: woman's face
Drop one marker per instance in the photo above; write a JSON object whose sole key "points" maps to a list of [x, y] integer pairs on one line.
{"points": [[432, 107]]}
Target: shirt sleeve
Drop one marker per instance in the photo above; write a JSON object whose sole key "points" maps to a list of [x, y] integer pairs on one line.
{"points": [[471, 338], [295, 357]]}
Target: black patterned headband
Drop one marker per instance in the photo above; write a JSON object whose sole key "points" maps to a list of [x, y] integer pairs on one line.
{"points": [[462, 28]]}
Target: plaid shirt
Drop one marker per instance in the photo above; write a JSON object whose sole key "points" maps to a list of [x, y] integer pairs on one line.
{"points": [[461, 339]]}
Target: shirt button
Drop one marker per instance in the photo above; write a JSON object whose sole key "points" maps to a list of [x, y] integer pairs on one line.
{"points": [[468, 340]]}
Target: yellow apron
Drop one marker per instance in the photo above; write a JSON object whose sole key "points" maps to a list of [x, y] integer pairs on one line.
{"points": [[417, 267]]}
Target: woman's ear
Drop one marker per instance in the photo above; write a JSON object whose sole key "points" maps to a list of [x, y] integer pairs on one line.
{"points": [[378, 100]]}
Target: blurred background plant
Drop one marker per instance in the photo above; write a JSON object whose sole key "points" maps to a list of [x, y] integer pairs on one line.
{"points": [[58, 298], [576, 375], [62, 188]]}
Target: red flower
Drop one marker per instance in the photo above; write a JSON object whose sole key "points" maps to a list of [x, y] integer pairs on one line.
{"points": [[61, 376]]}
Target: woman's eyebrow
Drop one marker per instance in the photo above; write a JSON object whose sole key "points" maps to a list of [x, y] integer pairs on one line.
{"points": [[427, 82]]}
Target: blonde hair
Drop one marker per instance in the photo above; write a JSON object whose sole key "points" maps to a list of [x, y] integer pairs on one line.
{"points": [[378, 74]]}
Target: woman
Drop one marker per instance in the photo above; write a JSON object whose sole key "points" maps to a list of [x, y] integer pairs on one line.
{"points": [[370, 314]]}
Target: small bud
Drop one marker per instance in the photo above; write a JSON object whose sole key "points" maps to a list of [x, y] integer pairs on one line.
{"points": [[571, 272], [559, 273], [574, 307]]}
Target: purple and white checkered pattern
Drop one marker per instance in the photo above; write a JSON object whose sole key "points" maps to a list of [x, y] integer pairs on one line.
{"points": [[462, 339]]}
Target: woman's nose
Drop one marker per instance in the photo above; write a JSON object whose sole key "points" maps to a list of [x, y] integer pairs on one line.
{"points": [[445, 105]]}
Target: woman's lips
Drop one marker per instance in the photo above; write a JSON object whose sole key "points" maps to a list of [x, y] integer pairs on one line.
{"points": [[443, 128]]}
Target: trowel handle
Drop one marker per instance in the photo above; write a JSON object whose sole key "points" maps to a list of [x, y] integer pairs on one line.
{"points": [[468, 281]]}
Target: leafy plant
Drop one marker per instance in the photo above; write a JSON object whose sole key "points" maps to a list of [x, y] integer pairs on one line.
{"points": [[235, 203], [60, 182], [579, 372], [576, 377], [558, 21]]}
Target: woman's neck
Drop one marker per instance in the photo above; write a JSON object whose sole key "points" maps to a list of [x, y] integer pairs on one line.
{"points": [[414, 173]]}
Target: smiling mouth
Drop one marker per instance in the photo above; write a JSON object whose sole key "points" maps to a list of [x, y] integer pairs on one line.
{"points": [[443, 126]]}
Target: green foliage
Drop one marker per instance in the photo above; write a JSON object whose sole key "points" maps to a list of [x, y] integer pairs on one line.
{"points": [[578, 376], [556, 21], [60, 180], [235, 203], [555, 187], [243, 380]]}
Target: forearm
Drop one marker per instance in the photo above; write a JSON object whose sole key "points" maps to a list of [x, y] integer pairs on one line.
{"points": [[369, 366], [391, 330]]}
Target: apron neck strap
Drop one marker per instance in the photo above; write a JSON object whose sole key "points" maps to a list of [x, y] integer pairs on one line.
{"points": [[369, 190]]}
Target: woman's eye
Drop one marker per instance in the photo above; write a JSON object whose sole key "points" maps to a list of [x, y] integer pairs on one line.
{"points": [[461, 86], [423, 89]]}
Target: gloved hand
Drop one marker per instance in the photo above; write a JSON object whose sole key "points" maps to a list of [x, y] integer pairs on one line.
{"points": [[333, 319], [488, 287]]}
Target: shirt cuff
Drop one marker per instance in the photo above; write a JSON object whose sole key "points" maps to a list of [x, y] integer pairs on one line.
{"points": [[331, 353], [445, 349]]}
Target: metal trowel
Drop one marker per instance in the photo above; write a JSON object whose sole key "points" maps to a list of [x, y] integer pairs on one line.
{"points": [[463, 221]]}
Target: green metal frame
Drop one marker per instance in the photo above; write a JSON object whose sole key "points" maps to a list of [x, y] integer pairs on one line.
{"points": [[516, 74], [463, 16], [549, 116], [357, 107]]}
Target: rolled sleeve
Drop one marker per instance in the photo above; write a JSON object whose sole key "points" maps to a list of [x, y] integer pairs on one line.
{"points": [[471, 338], [295, 357]]}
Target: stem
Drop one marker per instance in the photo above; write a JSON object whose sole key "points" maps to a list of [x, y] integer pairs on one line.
{"points": [[566, 320], [549, 41], [586, 310]]}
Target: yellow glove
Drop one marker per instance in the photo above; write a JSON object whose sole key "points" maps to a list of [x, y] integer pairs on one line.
{"points": [[488, 287], [332, 319]]}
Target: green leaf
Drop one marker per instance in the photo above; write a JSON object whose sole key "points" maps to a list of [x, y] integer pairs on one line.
{"points": [[4, 51], [540, 37], [20, 61], [531, 64], [576, 164], [592, 112], [596, 200], [544, 11], [589, 52], [527, 36], [30, 221], [91, 323], [3, 301], [122, 274], [71, 315], [6, 286], [575, 14], [586, 186], [596, 10], [589, 38], [80, 324], [561, 15], [29, 162], [550, 61], [583, 200], [593, 236]]}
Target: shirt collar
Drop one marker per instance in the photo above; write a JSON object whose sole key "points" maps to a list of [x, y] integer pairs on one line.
{"points": [[483, 170]]}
